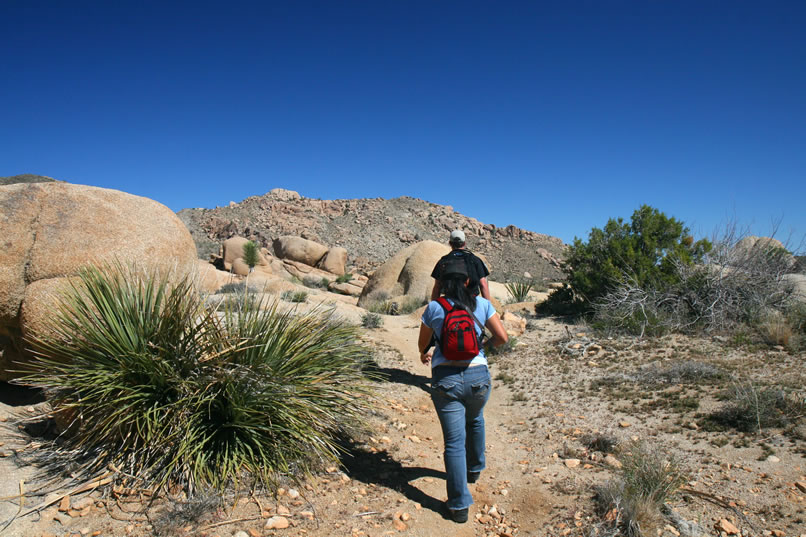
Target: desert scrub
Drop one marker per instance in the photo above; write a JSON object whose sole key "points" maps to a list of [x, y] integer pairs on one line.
{"points": [[648, 477], [151, 381], [236, 287], [344, 278], [314, 282], [518, 291], [750, 408], [295, 296], [371, 320]]}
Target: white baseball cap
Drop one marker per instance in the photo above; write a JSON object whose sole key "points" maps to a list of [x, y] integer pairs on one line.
{"points": [[457, 236]]}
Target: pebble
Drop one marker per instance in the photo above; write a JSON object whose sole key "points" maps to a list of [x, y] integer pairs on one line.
{"points": [[624, 424], [293, 494], [277, 523], [571, 463], [727, 526], [241, 534], [773, 458]]}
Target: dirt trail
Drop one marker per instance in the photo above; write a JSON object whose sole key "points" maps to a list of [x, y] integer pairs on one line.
{"points": [[541, 473]]}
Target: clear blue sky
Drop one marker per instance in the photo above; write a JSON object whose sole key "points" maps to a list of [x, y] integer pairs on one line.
{"points": [[552, 116]]}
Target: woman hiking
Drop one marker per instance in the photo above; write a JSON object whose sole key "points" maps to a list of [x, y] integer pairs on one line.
{"points": [[460, 380]]}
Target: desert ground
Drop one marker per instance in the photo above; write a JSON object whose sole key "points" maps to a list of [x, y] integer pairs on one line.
{"points": [[563, 400]]}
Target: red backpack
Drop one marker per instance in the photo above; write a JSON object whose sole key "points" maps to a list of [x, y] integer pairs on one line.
{"points": [[458, 340]]}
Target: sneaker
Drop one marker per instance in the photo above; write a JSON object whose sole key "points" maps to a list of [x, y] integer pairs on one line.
{"points": [[472, 477], [459, 515]]}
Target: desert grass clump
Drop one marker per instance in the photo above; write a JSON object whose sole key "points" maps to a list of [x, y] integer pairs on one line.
{"points": [[295, 296], [518, 291], [344, 278], [315, 283], [371, 320], [649, 476], [236, 287], [751, 408], [775, 329], [164, 389]]}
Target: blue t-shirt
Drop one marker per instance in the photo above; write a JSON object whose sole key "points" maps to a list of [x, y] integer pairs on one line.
{"points": [[433, 317]]}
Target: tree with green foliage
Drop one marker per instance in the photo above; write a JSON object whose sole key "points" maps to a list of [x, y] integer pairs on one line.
{"points": [[251, 256], [644, 251]]}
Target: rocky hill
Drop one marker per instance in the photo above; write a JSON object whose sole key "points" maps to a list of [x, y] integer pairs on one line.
{"points": [[372, 230]]}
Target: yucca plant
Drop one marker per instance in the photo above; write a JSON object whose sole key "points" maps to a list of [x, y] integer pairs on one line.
{"points": [[168, 391], [519, 291]]}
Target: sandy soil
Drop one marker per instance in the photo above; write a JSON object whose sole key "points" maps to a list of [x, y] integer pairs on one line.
{"points": [[547, 404]]}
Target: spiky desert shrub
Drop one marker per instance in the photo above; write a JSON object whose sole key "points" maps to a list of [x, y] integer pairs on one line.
{"points": [[518, 291], [168, 391]]}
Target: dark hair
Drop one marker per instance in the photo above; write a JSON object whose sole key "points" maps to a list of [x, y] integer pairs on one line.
{"points": [[453, 287]]}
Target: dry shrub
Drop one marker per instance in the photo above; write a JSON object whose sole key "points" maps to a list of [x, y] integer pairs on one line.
{"points": [[632, 503], [775, 329]]}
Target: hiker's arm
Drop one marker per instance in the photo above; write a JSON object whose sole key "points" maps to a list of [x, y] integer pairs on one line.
{"points": [[423, 341], [497, 328], [485, 289], [435, 290]]}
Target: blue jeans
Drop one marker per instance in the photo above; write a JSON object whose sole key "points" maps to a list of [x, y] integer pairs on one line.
{"points": [[459, 395]]}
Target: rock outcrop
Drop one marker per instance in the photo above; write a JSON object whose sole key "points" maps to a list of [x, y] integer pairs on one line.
{"points": [[51, 230], [406, 275], [373, 230]]}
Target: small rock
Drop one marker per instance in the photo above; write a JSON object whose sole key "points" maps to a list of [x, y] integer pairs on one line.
{"points": [[293, 494], [241, 534], [624, 424], [82, 503], [306, 514], [283, 510], [64, 505], [726, 526], [612, 461], [485, 519], [773, 458], [277, 523], [254, 533], [801, 485], [778, 533], [571, 463]]}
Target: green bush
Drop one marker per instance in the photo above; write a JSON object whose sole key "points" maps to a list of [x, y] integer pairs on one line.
{"points": [[251, 255], [344, 278], [177, 394], [644, 251]]}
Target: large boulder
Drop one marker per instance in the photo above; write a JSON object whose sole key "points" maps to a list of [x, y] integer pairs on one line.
{"points": [[798, 284], [299, 249], [406, 275], [51, 230], [335, 261], [752, 246], [232, 254]]}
